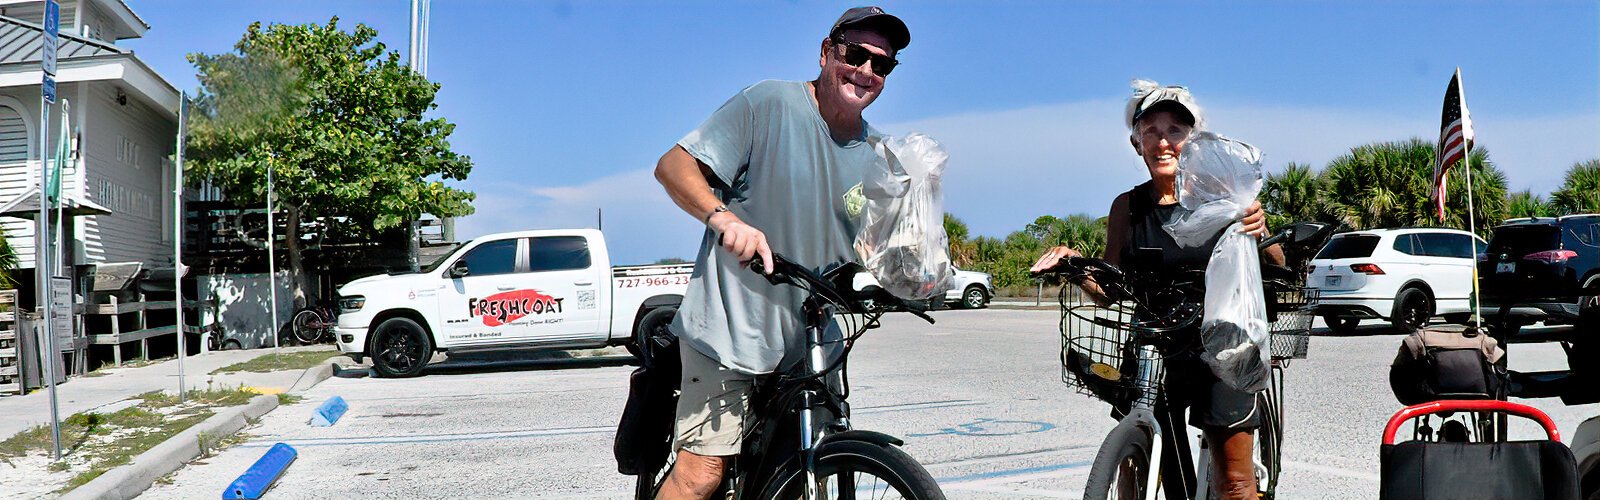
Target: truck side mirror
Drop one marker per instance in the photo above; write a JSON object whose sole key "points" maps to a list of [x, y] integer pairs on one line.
{"points": [[459, 269]]}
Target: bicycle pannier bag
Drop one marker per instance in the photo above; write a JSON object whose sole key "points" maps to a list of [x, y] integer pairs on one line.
{"points": [[644, 434], [1447, 362]]}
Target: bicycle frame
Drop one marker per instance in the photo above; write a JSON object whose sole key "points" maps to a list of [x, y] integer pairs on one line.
{"points": [[816, 389]]}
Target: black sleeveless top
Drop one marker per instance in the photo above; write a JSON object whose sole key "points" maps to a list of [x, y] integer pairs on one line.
{"points": [[1146, 235]]}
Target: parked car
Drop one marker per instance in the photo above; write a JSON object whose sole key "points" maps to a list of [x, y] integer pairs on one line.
{"points": [[1544, 269], [969, 289], [1404, 276], [537, 290]]}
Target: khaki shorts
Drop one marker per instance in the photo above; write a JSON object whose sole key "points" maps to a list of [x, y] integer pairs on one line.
{"points": [[712, 406]]}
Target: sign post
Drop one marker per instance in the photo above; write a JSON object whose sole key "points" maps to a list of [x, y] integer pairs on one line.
{"points": [[43, 269]]}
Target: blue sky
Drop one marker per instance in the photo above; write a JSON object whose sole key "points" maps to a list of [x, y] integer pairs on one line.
{"points": [[565, 106]]}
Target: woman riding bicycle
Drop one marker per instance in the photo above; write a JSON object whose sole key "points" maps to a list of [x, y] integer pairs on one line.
{"points": [[1161, 120]]}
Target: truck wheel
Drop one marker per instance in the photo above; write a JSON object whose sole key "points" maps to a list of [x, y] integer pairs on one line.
{"points": [[653, 325], [400, 348], [973, 297]]}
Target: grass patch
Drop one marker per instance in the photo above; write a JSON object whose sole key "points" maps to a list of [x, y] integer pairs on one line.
{"points": [[97, 442], [279, 362], [288, 399]]}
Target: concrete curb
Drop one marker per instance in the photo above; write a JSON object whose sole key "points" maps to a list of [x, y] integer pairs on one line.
{"points": [[315, 375], [130, 480]]}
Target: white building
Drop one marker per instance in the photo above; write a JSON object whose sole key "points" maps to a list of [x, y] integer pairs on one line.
{"points": [[124, 126]]}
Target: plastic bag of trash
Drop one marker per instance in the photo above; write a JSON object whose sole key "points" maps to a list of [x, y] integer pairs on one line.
{"points": [[901, 240], [1218, 178]]}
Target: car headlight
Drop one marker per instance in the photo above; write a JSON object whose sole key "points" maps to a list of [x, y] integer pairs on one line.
{"points": [[352, 303]]}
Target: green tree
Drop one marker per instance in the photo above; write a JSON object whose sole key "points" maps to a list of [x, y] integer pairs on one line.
{"points": [[1390, 184], [1526, 204], [337, 119], [1580, 190], [1293, 196]]}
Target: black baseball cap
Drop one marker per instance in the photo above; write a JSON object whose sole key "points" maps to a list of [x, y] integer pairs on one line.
{"points": [[874, 19]]}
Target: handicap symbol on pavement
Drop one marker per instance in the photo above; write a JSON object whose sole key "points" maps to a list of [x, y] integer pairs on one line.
{"points": [[992, 427]]}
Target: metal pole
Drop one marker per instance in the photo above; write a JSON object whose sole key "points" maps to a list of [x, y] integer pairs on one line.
{"points": [[1472, 223], [42, 271], [272, 264], [177, 237]]}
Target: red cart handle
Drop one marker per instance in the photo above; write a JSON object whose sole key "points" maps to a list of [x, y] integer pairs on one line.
{"points": [[1520, 410]]}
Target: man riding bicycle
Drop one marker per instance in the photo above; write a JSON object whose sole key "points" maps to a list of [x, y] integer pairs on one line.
{"points": [[776, 168], [1160, 120]]}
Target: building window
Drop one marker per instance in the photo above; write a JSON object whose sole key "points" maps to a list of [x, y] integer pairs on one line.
{"points": [[14, 138]]}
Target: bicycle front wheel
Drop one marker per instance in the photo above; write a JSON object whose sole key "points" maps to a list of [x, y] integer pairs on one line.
{"points": [[847, 470], [1122, 467]]}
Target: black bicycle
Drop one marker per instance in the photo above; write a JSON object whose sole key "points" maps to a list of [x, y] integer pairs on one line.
{"points": [[803, 445]]}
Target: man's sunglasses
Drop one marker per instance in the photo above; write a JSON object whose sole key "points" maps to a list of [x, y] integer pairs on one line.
{"points": [[855, 55]]}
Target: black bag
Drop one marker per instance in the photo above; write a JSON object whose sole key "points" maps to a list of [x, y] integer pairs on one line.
{"points": [[1447, 362], [644, 434]]}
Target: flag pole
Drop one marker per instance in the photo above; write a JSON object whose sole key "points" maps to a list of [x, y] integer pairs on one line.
{"points": [[1472, 222]]}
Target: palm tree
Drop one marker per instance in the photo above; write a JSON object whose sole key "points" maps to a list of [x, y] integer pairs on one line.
{"points": [[1390, 184], [1526, 204], [1295, 195], [1580, 190], [962, 251]]}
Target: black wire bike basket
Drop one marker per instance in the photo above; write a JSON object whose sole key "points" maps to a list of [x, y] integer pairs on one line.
{"points": [[1289, 312], [1100, 345]]}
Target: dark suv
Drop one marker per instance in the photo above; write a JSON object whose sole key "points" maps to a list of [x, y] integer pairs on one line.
{"points": [[1542, 269]]}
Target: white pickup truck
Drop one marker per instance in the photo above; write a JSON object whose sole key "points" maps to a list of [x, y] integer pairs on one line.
{"points": [[552, 289]]}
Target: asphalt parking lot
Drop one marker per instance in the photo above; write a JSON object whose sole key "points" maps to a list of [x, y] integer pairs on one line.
{"points": [[977, 398]]}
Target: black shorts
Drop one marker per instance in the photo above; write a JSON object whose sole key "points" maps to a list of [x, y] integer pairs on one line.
{"points": [[1212, 404]]}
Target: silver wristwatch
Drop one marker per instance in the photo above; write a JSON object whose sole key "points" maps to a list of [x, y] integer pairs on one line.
{"points": [[715, 211]]}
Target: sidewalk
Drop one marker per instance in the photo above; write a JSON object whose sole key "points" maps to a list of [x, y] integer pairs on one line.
{"points": [[19, 413]]}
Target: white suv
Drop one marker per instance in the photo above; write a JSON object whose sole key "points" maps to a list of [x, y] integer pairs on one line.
{"points": [[969, 289], [1404, 276]]}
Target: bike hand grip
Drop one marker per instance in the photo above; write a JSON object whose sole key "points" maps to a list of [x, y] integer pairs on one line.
{"points": [[1517, 409]]}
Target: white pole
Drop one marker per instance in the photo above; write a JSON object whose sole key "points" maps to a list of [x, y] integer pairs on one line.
{"points": [[177, 237], [416, 10], [1472, 223], [272, 263]]}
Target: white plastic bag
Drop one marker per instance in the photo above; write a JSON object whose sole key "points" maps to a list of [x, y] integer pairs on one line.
{"points": [[1218, 178], [901, 239]]}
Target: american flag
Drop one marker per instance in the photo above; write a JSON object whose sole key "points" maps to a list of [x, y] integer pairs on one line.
{"points": [[1454, 133]]}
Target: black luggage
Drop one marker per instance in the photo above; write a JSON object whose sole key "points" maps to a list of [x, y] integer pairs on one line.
{"points": [[1448, 362]]}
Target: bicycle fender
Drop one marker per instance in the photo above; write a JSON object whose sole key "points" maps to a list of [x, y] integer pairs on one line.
{"points": [[877, 438]]}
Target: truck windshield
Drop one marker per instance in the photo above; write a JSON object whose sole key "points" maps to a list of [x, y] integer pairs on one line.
{"points": [[444, 257]]}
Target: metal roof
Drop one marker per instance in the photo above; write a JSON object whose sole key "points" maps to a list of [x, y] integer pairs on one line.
{"points": [[22, 41]]}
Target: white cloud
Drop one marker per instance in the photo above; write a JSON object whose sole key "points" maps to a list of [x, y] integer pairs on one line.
{"points": [[1008, 167], [641, 222]]}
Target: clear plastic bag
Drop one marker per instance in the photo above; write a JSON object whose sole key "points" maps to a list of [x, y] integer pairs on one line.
{"points": [[1218, 178], [901, 239]]}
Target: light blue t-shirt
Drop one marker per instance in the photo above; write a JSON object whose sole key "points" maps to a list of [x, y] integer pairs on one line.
{"points": [[782, 173]]}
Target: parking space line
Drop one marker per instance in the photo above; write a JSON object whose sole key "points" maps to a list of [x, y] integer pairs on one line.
{"points": [[568, 431], [916, 406], [1021, 474]]}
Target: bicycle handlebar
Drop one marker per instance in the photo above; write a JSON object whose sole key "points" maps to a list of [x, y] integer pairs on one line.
{"points": [[785, 271]]}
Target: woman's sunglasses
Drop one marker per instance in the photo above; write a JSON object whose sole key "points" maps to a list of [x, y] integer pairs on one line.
{"points": [[855, 55]]}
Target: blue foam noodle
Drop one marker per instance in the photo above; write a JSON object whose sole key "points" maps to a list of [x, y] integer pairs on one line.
{"points": [[329, 412], [260, 477]]}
